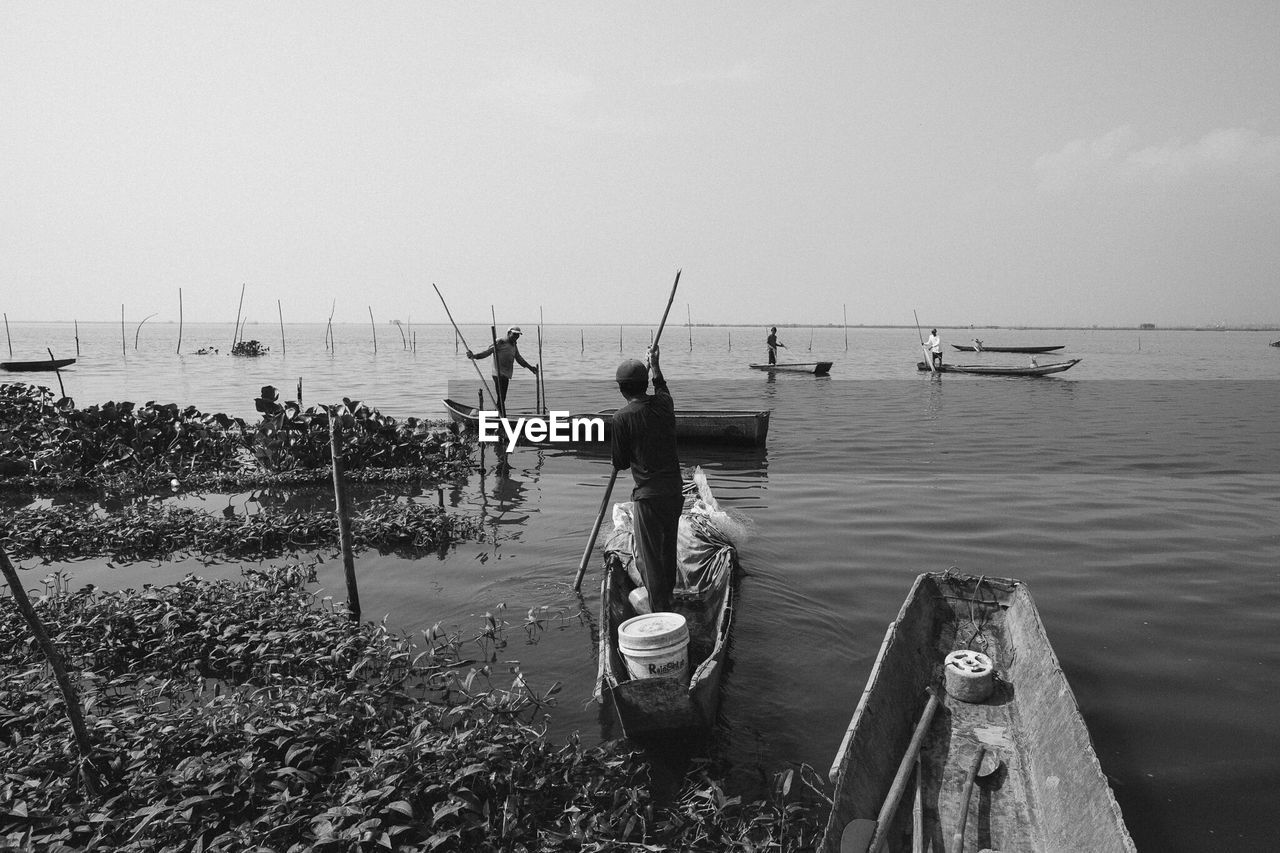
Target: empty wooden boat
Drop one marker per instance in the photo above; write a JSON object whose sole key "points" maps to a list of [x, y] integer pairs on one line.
{"points": [[1047, 791], [817, 368], [704, 596], [997, 370], [981, 347], [36, 366]]}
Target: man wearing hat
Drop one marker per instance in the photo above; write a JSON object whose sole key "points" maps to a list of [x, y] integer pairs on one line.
{"points": [[644, 440], [505, 354]]}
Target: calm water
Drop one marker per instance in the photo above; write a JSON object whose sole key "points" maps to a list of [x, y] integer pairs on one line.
{"points": [[1137, 495]]}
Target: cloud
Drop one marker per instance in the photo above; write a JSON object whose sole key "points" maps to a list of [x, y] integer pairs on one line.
{"points": [[1118, 158]]}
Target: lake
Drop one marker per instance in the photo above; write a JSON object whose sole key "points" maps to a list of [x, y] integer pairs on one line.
{"points": [[1137, 495]]}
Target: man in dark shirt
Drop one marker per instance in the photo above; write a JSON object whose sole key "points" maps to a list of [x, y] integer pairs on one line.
{"points": [[773, 343], [644, 440]]}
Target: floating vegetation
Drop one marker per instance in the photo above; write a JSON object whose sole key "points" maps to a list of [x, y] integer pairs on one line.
{"points": [[250, 715], [123, 448], [250, 348], [150, 530]]}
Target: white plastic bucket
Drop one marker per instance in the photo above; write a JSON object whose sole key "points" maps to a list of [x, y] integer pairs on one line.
{"points": [[655, 645]]}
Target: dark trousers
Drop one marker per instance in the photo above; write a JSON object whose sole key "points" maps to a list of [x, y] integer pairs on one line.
{"points": [[500, 385], [657, 527], [936, 358], [773, 355]]}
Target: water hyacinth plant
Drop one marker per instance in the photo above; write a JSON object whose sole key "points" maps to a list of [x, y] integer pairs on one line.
{"points": [[250, 716]]}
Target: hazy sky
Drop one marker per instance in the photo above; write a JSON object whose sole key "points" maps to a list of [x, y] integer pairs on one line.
{"points": [[1085, 162]]}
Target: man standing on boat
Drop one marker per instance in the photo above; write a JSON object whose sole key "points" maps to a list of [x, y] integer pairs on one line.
{"points": [[773, 344], [505, 354], [934, 348], [644, 440]]}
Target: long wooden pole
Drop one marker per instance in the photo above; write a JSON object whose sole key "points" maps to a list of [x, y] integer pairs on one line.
{"points": [[235, 335], [375, 330], [613, 476], [57, 372], [71, 702], [458, 332], [138, 332], [344, 517], [928, 357], [77, 322], [542, 385], [497, 372], [280, 313], [179, 352], [124, 350], [6, 334], [845, 308]]}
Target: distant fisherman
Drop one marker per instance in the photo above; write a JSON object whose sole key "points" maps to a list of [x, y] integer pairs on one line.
{"points": [[773, 344], [934, 348], [505, 354]]}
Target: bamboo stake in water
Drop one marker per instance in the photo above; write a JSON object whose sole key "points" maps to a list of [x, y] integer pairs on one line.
{"points": [[497, 374], [77, 322], [845, 307], [235, 335], [329, 343], [139, 330], [582, 340], [61, 387], [375, 331], [344, 517], [689, 309], [71, 703], [280, 312], [6, 334], [179, 352], [541, 377], [123, 348]]}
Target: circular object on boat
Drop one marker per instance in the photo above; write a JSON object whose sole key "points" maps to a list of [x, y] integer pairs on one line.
{"points": [[970, 675]]}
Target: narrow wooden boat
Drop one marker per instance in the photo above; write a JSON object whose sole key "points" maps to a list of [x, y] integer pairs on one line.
{"points": [[985, 348], [1275, 344], [817, 368], [36, 366], [703, 595], [1048, 791], [995, 370], [741, 427]]}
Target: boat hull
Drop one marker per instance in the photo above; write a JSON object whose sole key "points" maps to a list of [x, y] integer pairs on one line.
{"points": [[1025, 350], [36, 366], [1049, 792], [693, 426], [995, 370], [817, 368], [647, 706]]}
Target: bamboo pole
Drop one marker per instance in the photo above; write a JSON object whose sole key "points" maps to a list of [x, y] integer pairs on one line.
{"points": [[179, 322], [6, 334], [75, 715], [689, 323], [582, 340], [458, 332], [280, 313], [123, 344], [235, 336], [61, 387], [375, 331], [138, 331], [497, 373], [541, 382], [328, 329], [343, 510], [77, 322], [845, 307]]}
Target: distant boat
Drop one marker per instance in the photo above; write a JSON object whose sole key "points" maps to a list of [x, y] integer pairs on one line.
{"points": [[1275, 343], [994, 370], [36, 366], [985, 348], [817, 368]]}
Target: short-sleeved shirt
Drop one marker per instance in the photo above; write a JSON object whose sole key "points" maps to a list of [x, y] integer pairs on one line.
{"points": [[644, 440]]}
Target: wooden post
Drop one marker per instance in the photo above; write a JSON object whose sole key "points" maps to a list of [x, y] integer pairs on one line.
{"points": [[846, 327], [58, 372], [375, 331], [77, 322], [280, 312], [329, 342], [497, 373], [235, 335], [344, 518], [689, 309], [75, 715], [179, 323], [541, 383], [6, 334], [123, 341], [139, 331]]}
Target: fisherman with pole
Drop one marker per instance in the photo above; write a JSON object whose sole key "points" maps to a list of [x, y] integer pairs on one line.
{"points": [[773, 343], [505, 354]]}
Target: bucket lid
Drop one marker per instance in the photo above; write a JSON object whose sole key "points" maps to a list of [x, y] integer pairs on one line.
{"points": [[652, 630]]}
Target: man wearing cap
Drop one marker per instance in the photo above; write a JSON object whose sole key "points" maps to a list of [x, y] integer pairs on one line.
{"points": [[505, 354], [933, 348], [644, 440]]}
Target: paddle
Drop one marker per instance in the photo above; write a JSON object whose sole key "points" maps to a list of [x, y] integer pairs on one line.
{"points": [[984, 764], [458, 332], [608, 492], [928, 357]]}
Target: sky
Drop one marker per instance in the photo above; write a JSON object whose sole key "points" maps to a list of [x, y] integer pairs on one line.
{"points": [[1094, 162]]}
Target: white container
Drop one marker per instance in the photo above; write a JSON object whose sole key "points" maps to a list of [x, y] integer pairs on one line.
{"points": [[655, 645]]}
